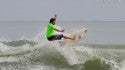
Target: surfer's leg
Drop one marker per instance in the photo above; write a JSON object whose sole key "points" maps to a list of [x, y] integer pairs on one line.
{"points": [[66, 36], [55, 37], [58, 36]]}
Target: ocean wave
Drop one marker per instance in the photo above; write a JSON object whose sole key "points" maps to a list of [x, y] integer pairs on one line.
{"points": [[29, 55]]}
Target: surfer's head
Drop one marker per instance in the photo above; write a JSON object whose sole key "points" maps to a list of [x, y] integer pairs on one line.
{"points": [[52, 20]]}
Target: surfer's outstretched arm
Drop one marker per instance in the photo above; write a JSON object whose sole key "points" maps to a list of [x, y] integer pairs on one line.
{"points": [[59, 30], [55, 16], [66, 36]]}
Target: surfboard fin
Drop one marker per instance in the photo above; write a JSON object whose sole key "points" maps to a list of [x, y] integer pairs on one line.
{"points": [[79, 37]]}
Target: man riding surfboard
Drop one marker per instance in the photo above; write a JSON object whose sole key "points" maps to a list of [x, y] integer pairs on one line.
{"points": [[51, 28]]}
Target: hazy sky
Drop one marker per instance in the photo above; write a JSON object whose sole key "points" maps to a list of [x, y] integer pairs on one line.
{"points": [[110, 10]]}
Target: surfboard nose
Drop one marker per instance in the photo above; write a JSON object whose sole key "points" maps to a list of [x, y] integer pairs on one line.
{"points": [[84, 29]]}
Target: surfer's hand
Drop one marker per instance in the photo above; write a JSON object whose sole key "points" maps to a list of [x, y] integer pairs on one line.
{"points": [[63, 30], [55, 16]]}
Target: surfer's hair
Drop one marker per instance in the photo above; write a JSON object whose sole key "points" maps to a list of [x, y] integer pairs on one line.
{"points": [[51, 20]]}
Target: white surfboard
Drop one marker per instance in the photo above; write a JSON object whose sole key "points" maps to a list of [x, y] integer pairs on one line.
{"points": [[79, 34]]}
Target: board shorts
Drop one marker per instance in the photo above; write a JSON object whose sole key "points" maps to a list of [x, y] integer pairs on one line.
{"points": [[55, 37]]}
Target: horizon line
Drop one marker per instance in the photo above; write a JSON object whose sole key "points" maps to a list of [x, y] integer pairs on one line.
{"points": [[63, 20]]}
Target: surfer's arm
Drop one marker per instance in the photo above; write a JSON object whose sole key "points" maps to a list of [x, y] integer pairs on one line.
{"points": [[59, 30], [55, 16]]}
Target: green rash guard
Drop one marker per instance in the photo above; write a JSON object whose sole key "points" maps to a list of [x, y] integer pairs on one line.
{"points": [[50, 30]]}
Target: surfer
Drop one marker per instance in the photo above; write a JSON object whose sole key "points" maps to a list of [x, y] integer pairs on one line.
{"points": [[51, 28]]}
